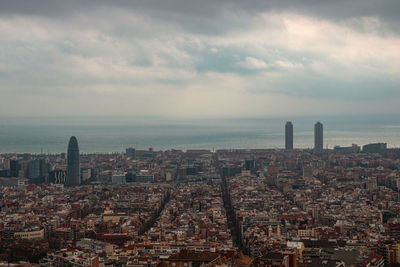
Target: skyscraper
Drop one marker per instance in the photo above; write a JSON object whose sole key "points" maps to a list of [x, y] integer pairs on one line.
{"points": [[131, 152], [36, 171], [15, 167], [73, 165], [318, 136], [289, 135]]}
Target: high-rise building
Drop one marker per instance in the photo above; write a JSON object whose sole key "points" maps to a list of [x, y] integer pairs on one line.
{"points": [[36, 168], [131, 152], [289, 135], [15, 167], [318, 136], [73, 165], [57, 177]]}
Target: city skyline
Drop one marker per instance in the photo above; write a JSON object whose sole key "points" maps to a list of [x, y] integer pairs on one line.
{"points": [[73, 154], [242, 134], [244, 208]]}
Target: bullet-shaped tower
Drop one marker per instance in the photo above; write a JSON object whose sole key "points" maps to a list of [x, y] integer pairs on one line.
{"points": [[73, 164]]}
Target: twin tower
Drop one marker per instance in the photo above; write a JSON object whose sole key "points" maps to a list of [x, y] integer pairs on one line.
{"points": [[318, 136]]}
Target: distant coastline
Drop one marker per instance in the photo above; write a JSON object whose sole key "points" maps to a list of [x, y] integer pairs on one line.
{"points": [[97, 135]]}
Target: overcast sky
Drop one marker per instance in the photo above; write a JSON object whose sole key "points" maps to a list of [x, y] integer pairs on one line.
{"points": [[208, 58]]}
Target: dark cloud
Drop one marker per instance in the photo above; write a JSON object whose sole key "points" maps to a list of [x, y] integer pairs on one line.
{"points": [[208, 15]]}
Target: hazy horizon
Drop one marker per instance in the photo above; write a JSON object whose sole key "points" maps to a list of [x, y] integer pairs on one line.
{"points": [[109, 134]]}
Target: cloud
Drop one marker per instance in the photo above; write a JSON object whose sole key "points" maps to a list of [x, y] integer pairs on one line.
{"points": [[208, 12], [181, 58], [254, 63]]}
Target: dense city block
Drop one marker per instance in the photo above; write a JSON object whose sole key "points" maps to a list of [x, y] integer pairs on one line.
{"points": [[260, 207]]}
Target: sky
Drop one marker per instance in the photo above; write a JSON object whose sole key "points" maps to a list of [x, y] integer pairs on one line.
{"points": [[199, 59]]}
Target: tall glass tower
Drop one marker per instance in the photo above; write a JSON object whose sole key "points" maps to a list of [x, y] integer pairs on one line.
{"points": [[73, 165], [289, 135], [318, 136]]}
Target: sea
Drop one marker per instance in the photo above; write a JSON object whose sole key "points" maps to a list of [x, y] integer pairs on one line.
{"points": [[50, 135]]}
